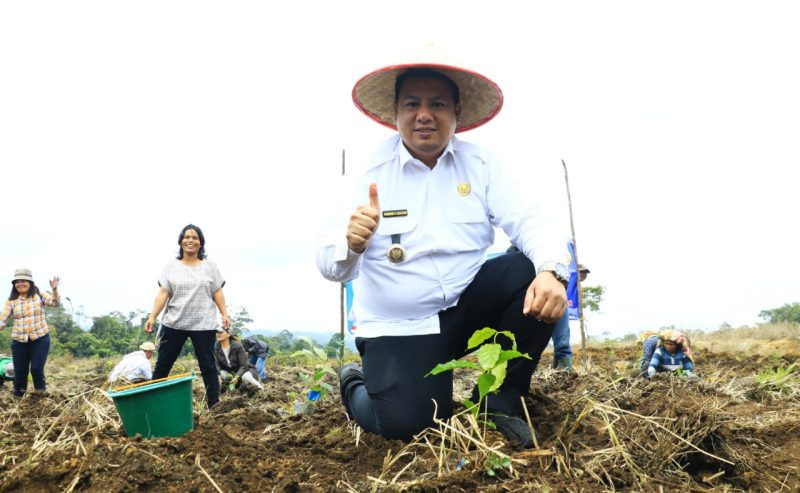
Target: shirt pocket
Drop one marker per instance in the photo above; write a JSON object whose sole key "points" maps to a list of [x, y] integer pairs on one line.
{"points": [[469, 226]]}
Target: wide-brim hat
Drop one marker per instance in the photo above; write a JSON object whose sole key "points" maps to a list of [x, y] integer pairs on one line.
{"points": [[583, 268], [23, 275], [481, 99], [147, 346]]}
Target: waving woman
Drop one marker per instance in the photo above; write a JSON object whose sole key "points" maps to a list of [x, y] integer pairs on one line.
{"points": [[30, 336]]}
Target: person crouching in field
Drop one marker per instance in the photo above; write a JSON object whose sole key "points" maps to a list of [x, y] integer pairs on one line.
{"points": [[257, 351], [233, 364], [670, 351], [30, 335], [134, 367]]}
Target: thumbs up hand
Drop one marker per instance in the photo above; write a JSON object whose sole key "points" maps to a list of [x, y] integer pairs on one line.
{"points": [[364, 222]]}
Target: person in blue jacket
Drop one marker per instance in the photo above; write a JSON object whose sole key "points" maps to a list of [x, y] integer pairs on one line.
{"points": [[671, 356]]}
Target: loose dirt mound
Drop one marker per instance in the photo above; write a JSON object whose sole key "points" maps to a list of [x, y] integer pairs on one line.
{"points": [[600, 429]]}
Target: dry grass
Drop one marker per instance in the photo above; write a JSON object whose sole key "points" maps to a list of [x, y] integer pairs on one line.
{"points": [[768, 332], [452, 445], [599, 430], [611, 436]]}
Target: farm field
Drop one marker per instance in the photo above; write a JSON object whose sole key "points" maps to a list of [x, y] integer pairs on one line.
{"points": [[599, 429]]}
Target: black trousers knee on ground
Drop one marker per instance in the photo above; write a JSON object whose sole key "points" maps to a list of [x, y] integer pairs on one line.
{"points": [[396, 400]]}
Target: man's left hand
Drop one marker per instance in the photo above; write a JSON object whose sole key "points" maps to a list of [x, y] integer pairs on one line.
{"points": [[546, 298]]}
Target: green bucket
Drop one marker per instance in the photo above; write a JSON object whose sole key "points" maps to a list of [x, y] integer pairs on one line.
{"points": [[159, 409], [4, 360]]}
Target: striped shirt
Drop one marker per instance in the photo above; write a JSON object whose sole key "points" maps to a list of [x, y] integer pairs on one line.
{"points": [[663, 360], [29, 317]]}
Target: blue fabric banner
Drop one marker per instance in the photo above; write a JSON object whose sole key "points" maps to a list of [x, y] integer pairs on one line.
{"points": [[348, 297], [573, 304]]}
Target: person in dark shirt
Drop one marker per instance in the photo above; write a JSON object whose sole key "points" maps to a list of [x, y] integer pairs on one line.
{"points": [[257, 352]]}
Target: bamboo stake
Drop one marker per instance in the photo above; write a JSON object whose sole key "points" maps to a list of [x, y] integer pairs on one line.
{"points": [[575, 252], [342, 308]]}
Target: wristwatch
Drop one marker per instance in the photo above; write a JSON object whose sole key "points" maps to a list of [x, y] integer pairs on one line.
{"points": [[559, 270]]}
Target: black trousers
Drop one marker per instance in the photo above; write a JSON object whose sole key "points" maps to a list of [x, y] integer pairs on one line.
{"points": [[31, 355], [170, 344], [396, 400]]}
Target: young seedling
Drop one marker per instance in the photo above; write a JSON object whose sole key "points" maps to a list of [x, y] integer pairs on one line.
{"points": [[496, 463], [492, 363], [318, 359]]}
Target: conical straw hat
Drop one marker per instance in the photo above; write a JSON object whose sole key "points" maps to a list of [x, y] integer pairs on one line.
{"points": [[481, 98]]}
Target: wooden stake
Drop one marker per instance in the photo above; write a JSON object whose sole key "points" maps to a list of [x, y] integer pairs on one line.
{"points": [[575, 252], [342, 308]]}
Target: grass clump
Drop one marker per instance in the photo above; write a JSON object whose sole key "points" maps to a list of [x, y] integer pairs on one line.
{"points": [[782, 380]]}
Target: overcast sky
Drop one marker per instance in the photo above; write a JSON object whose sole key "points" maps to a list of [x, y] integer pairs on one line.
{"points": [[120, 122]]}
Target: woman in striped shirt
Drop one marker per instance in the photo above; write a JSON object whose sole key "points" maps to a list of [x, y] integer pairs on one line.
{"points": [[30, 336]]}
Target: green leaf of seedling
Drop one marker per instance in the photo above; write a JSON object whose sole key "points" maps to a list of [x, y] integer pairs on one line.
{"points": [[300, 354], [451, 365], [488, 355], [499, 373], [321, 355], [318, 373], [512, 354], [485, 383], [330, 371], [473, 408], [326, 386], [305, 378], [316, 388], [479, 336], [495, 462], [510, 335]]}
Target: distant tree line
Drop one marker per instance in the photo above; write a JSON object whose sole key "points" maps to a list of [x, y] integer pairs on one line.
{"points": [[786, 313], [117, 333]]}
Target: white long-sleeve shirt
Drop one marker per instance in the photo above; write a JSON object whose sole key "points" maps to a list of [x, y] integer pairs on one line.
{"points": [[444, 217], [133, 366]]}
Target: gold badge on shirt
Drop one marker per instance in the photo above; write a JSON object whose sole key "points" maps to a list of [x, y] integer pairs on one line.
{"points": [[396, 253], [463, 189]]}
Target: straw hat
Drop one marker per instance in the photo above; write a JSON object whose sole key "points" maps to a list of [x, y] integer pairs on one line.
{"points": [[671, 335], [147, 346], [23, 275], [583, 268], [481, 98]]}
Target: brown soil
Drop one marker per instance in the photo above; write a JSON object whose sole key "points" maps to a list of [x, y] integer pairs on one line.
{"points": [[600, 429]]}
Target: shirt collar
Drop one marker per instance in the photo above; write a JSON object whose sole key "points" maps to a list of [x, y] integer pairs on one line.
{"points": [[406, 157]]}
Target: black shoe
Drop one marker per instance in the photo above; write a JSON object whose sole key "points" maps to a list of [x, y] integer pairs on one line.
{"points": [[347, 374], [515, 429]]}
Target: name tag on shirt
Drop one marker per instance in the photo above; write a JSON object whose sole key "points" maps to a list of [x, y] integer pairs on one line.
{"points": [[395, 213]]}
